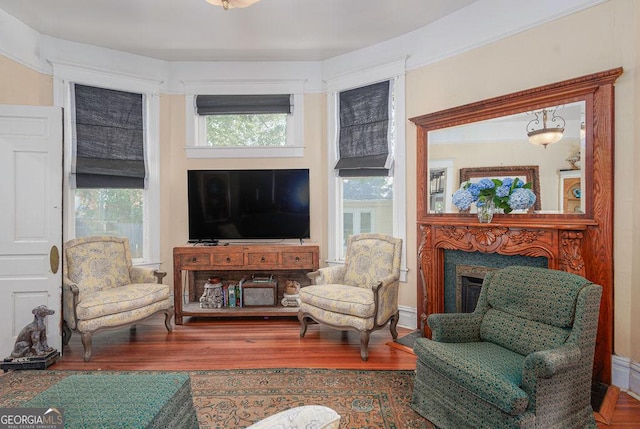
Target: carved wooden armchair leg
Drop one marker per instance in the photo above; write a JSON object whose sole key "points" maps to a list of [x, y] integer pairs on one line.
{"points": [[303, 324], [66, 333], [86, 343], [167, 320], [364, 345], [393, 325]]}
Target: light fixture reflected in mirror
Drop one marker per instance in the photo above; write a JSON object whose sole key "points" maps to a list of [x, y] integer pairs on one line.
{"points": [[546, 128], [230, 4]]}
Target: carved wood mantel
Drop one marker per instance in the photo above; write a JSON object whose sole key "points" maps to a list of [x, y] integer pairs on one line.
{"points": [[560, 243], [577, 243]]}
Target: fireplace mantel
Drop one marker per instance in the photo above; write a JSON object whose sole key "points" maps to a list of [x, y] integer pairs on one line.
{"points": [[560, 242]]}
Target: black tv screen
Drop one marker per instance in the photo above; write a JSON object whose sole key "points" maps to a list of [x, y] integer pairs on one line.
{"points": [[248, 204]]}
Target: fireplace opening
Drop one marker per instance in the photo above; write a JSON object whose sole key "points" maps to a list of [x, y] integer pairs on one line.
{"points": [[469, 280]]}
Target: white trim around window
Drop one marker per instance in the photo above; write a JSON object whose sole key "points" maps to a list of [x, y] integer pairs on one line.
{"points": [[65, 74], [295, 126], [396, 73]]}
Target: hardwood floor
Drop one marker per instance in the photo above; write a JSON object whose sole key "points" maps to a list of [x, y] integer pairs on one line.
{"points": [[208, 344]]}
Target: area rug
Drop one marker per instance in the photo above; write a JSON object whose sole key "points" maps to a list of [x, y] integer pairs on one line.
{"points": [[240, 397]]}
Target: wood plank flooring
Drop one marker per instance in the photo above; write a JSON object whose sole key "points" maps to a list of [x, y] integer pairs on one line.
{"points": [[208, 344]]}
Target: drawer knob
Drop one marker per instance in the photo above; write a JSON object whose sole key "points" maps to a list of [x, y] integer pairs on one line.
{"points": [[262, 259], [297, 258], [194, 259], [228, 259]]}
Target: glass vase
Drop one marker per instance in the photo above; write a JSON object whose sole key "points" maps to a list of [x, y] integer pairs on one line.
{"points": [[485, 212]]}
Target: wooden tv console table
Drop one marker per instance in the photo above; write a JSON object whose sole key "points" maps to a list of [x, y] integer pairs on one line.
{"points": [[234, 262]]}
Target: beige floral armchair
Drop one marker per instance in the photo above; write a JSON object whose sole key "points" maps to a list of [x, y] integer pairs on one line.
{"points": [[102, 289], [362, 294]]}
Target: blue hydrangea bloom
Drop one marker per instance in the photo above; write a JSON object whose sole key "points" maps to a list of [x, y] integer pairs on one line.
{"points": [[503, 191], [486, 184], [462, 198], [507, 182], [520, 184], [521, 199], [474, 188]]}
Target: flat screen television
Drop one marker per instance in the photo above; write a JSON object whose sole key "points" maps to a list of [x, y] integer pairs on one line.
{"points": [[248, 204]]}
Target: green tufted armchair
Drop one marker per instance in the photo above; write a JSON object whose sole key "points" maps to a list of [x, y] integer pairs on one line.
{"points": [[522, 359], [101, 289], [362, 294]]}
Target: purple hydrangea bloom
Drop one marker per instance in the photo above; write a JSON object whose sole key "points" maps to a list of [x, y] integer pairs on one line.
{"points": [[462, 198]]}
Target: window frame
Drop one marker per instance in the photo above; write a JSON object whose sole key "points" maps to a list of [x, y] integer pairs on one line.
{"points": [[395, 72], [67, 74], [195, 127]]}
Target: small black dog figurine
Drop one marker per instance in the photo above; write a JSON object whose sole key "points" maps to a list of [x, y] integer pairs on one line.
{"points": [[32, 340]]}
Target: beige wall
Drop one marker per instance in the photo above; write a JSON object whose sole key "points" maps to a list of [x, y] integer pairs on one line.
{"points": [[600, 38], [587, 42], [21, 85]]}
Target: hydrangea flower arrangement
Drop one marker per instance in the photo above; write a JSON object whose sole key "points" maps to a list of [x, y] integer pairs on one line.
{"points": [[507, 194]]}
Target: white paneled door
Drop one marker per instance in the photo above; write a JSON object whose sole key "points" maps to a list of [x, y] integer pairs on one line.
{"points": [[30, 219]]}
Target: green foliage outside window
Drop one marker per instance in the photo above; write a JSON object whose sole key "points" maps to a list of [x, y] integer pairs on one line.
{"points": [[116, 212], [246, 130]]}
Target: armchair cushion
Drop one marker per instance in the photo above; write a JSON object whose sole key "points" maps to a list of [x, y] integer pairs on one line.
{"points": [[120, 300], [354, 301], [484, 369]]}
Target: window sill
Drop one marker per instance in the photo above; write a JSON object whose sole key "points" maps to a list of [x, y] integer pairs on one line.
{"points": [[245, 152]]}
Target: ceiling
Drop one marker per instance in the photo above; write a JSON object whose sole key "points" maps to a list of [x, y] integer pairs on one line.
{"points": [[193, 30]]}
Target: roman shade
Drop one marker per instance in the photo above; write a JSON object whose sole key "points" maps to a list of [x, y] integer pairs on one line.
{"points": [[243, 104], [363, 141], [108, 138]]}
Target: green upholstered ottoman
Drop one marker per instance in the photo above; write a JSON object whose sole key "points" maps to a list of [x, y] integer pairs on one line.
{"points": [[122, 401]]}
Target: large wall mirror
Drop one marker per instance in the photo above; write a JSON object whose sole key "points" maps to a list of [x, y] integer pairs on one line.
{"points": [[494, 134], [501, 147]]}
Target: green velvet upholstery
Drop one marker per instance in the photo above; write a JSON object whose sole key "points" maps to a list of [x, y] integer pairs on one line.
{"points": [[101, 289], [362, 295], [150, 401], [522, 359]]}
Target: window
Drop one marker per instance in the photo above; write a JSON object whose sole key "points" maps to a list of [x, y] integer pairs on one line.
{"points": [[367, 179], [244, 120], [109, 171], [232, 119]]}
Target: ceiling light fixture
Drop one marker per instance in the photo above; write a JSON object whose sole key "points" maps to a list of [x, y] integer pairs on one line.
{"points": [[230, 4], [551, 131]]}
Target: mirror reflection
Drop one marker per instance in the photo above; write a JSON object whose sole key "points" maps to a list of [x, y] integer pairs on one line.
{"points": [[515, 143]]}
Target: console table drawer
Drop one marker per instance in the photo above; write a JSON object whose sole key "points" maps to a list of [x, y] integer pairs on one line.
{"points": [[195, 260], [228, 259], [266, 258], [302, 259]]}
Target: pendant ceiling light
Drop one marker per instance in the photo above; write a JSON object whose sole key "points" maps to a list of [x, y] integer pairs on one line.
{"points": [[546, 128], [230, 4]]}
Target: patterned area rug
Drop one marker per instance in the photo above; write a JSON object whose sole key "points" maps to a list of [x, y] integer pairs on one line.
{"points": [[237, 398]]}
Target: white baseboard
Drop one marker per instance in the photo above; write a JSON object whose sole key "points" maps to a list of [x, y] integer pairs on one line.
{"points": [[407, 317], [625, 374]]}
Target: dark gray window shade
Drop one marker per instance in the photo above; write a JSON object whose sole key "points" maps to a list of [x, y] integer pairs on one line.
{"points": [[363, 140], [242, 104], [109, 138]]}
